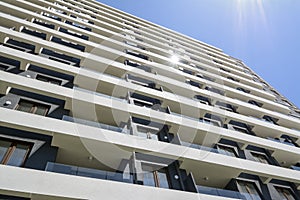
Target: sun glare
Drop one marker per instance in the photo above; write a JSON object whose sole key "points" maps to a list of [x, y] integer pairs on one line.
{"points": [[250, 17], [174, 59], [250, 8]]}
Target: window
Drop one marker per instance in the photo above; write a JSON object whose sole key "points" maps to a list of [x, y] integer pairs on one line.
{"points": [[225, 70], [269, 119], [14, 153], [295, 113], [241, 129], [212, 120], [255, 103], [32, 107], [142, 82], [6, 197], [233, 79], [21, 46], [285, 102], [147, 133], [48, 79], [243, 90], [260, 157], [184, 62], [283, 140], [136, 54], [155, 177], [142, 103], [218, 62], [75, 34], [186, 71], [137, 65], [247, 71], [3, 67], [226, 150], [194, 83], [134, 45], [141, 100], [203, 99], [225, 106], [215, 90], [284, 193], [288, 140], [248, 190], [60, 57]]}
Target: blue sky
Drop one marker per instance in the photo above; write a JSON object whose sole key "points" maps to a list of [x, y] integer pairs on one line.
{"points": [[263, 33]]}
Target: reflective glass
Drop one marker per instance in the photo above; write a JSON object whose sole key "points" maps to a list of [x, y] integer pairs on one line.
{"points": [[163, 179], [18, 155], [25, 106], [149, 179], [285, 193], [41, 110], [4, 145]]}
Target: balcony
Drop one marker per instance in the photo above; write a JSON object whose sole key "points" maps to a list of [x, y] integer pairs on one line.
{"points": [[137, 65], [215, 90], [136, 54], [59, 57], [87, 172], [224, 193], [243, 90], [212, 120], [202, 99], [295, 167], [102, 94], [225, 106], [21, 46], [95, 124], [282, 140], [194, 83], [135, 45], [148, 102], [142, 82], [128, 178]]}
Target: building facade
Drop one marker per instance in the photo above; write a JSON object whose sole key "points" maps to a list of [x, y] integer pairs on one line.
{"points": [[98, 104]]}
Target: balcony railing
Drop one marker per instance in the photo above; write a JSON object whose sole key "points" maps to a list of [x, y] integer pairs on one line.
{"points": [[128, 178], [95, 124], [225, 193], [197, 146], [99, 94], [88, 172], [294, 167], [283, 142]]}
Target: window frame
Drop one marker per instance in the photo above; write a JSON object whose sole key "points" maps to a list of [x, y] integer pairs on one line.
{"points": [[252, 153], [225, 106], [33, 108], [234, 149], [3, 67], [151, 133], [155, 172], [49, 79], [11, 149], [254, 183], [276, 186]]}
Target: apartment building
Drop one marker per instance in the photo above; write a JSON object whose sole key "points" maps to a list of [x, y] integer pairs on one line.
{"points": [[98, 104]]}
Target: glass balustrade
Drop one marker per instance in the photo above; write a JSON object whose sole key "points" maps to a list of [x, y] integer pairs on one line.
{"points": [[88, 172], [225, 193], [95, 124]]}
